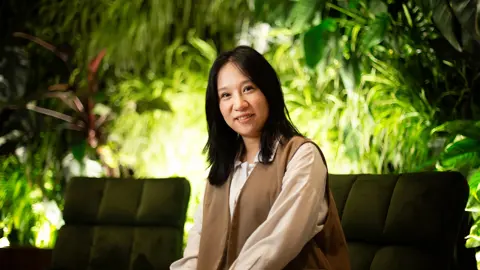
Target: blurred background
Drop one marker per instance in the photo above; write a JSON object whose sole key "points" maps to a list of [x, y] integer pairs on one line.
{"points": [[116, 88]]}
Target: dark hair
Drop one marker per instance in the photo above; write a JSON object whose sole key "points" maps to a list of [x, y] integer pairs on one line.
{"points": [[223, 142]]}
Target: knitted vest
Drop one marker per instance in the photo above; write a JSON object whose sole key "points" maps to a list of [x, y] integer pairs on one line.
{"points": [[222, 238]]}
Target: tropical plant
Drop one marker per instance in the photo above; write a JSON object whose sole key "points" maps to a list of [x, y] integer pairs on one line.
{"points": [[77, 98], [24, 188], [161, 143], [457, 20], [370, 115], [462, 153], [93, 25], [367, 80]]}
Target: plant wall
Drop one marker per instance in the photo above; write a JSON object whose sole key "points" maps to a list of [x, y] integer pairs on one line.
{"points": [[369, 81]]}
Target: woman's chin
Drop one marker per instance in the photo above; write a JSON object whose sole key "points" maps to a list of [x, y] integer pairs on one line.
{"points": [[249, 135]]}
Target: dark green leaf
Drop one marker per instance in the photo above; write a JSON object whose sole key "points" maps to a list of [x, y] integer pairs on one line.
{"points": [[155, 104], [99, 97], [375, 32], [443, 18], [353, 4], [258, 6], [467, 128], [474, 180], [316, 40], [79, 150], [467, 13], [464, 153]]}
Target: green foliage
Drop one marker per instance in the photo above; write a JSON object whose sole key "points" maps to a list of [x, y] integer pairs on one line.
{"points": [[355, 100], [463, 154], [371, 129], [21, 191], [316, 41], [457, 20], [162, 143], [136, 33], [367, 80]]}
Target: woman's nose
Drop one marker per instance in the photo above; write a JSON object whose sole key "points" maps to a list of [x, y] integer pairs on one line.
{"points": [[239, 103]]}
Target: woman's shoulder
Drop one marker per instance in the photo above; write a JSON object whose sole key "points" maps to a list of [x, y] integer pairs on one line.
{"points": [[297, 141], [289, 146], [301, 144]]}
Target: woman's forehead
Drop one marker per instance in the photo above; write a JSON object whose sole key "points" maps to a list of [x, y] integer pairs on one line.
{"points": [[230, 76]]}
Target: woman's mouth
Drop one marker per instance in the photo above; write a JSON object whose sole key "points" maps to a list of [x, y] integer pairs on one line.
{"points": [[244, 118]]}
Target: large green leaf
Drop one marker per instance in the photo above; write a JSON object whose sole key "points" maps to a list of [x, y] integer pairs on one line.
{"points": [[467, 128], [79, 150], [474, 181], [473, 204], [375, 31], [316, 40], [463, 153], [467, 14], [444, 19], [473, 239]]}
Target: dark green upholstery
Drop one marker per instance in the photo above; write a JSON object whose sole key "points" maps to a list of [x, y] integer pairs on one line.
{"points": [[122, 224], [404, 222]]}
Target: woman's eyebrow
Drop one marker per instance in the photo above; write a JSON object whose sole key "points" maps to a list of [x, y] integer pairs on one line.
{"points": [[226, 87]]}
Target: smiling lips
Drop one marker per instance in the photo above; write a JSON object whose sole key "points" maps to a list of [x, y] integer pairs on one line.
{"points": [[244, 118]]}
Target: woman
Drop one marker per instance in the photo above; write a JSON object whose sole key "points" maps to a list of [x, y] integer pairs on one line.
{"points": [[267, 204]]}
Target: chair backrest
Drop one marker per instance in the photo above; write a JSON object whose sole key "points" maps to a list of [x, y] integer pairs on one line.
{"points": [[122, 224], [408, 221]]}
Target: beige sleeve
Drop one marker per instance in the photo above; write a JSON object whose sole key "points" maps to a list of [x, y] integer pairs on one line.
{"points": [[190, 254]]}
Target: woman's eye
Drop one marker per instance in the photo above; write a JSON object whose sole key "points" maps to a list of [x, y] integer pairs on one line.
{"points": [[224, 95], [248, 88]]}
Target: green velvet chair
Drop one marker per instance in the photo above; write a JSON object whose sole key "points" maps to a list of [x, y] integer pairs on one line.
{"points": [[412, 221], [122, 224]]}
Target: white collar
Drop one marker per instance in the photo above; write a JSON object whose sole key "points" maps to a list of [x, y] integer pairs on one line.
{"points": [[256, 159]]}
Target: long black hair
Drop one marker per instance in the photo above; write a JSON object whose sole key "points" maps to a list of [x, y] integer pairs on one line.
{"points": [[223, 143]]}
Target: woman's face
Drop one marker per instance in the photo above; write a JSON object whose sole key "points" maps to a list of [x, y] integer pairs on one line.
{"points": [[242, 104]]}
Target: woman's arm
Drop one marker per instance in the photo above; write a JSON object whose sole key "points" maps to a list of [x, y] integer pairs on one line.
{"points": [[190, 254], [296, 216]]}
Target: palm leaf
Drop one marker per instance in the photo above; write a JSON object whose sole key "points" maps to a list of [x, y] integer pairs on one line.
{"points": [[463, 153]]}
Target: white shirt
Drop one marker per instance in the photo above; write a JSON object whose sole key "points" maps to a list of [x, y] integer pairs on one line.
{"points": [[296, 216]]}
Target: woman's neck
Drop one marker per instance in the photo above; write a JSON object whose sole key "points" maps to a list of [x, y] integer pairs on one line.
{"points": [[252, 145]]}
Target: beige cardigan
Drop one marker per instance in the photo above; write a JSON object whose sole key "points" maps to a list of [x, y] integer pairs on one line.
{"points": [[222, 237]]}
